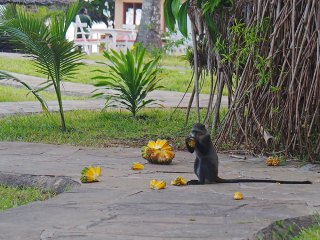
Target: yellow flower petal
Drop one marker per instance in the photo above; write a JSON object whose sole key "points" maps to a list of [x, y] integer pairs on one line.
{"points": [[237, 196], [179, 181], [137, 166]]}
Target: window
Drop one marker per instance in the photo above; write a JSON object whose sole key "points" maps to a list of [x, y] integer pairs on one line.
{"points": [[132, 13]]}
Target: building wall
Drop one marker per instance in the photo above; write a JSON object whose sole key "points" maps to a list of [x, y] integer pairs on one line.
{"points": [[118, 15]]}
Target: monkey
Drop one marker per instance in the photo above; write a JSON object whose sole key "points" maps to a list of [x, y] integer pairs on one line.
{"points": [[206, 162]]}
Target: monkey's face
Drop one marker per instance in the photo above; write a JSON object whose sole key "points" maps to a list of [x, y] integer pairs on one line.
{"points": [[198, 130]]}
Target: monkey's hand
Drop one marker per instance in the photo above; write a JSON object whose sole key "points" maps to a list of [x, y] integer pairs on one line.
{"points": [[191, 144]]}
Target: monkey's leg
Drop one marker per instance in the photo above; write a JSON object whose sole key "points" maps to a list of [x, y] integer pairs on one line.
{"points": [[200, 174]]}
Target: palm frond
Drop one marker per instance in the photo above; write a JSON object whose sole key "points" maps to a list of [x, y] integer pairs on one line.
{"points": [[7, 76]]}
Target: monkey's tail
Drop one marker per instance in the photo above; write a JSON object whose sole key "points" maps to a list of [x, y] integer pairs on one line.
{"points": [[221, 180]]}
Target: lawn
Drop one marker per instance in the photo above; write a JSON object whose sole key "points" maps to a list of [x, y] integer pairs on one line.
{"points": [[13, 197], [173, 80], [12, 94], [312, 233], [166, 60], [99, 129]]}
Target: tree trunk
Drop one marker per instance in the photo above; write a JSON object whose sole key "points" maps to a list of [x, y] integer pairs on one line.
{"points": [[150, 30]]}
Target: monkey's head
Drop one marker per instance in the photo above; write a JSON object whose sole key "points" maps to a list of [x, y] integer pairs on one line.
{"points": [[198, 130]]}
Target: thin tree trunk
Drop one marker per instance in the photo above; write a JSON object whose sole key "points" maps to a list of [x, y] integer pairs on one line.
{"points": [[63, 122], [196, 70]]}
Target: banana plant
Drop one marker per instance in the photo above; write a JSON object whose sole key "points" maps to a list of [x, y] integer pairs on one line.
{"points": [[46, 44]]}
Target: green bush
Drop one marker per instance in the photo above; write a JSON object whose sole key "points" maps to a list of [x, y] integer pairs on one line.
{"points": [[129, 80]]}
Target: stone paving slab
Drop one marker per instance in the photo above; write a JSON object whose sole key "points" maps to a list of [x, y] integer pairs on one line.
{"points": [[122, 206]]}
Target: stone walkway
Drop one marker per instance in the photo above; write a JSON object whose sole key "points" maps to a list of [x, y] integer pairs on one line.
{"points": [[122, 206], [166, 98]]}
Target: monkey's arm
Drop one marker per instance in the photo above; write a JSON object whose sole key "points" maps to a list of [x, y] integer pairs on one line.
{"points": [[204, 144]]}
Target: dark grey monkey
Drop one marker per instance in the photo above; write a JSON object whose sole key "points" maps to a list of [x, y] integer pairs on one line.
{"points": [[206, 162]]}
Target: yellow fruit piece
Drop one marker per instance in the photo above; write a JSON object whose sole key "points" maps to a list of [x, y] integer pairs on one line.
{"points": [[158, 152], [90, 174], [237, 196], [179, 181], [192, 142], [157, 185], [272, 161], [159, 144], [137, 166]]}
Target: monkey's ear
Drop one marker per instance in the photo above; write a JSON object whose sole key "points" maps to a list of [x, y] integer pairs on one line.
{"points": [[190, 144]]}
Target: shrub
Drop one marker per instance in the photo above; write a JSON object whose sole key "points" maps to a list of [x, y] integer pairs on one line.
{"points": [[129, 80]]}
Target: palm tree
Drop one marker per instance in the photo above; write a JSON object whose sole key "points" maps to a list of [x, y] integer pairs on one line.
{"points": [[150, 30], [52, 54]]}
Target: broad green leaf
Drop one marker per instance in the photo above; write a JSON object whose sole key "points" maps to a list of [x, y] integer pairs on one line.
{"points": [[182, 18], [175, 8], [168, 15]]}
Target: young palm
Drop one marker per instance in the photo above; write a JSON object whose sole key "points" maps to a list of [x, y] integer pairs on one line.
{"points": [[130, 80], [52, 54]]}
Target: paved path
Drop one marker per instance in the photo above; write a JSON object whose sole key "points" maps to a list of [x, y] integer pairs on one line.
{"points": [[167, 98], [123, 207]]}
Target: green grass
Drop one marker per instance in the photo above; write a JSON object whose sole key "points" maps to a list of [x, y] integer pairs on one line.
{"points": [[12, 94], [166, 60], [312, 233], [173, 80], [13, 197], [99, 129]]}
